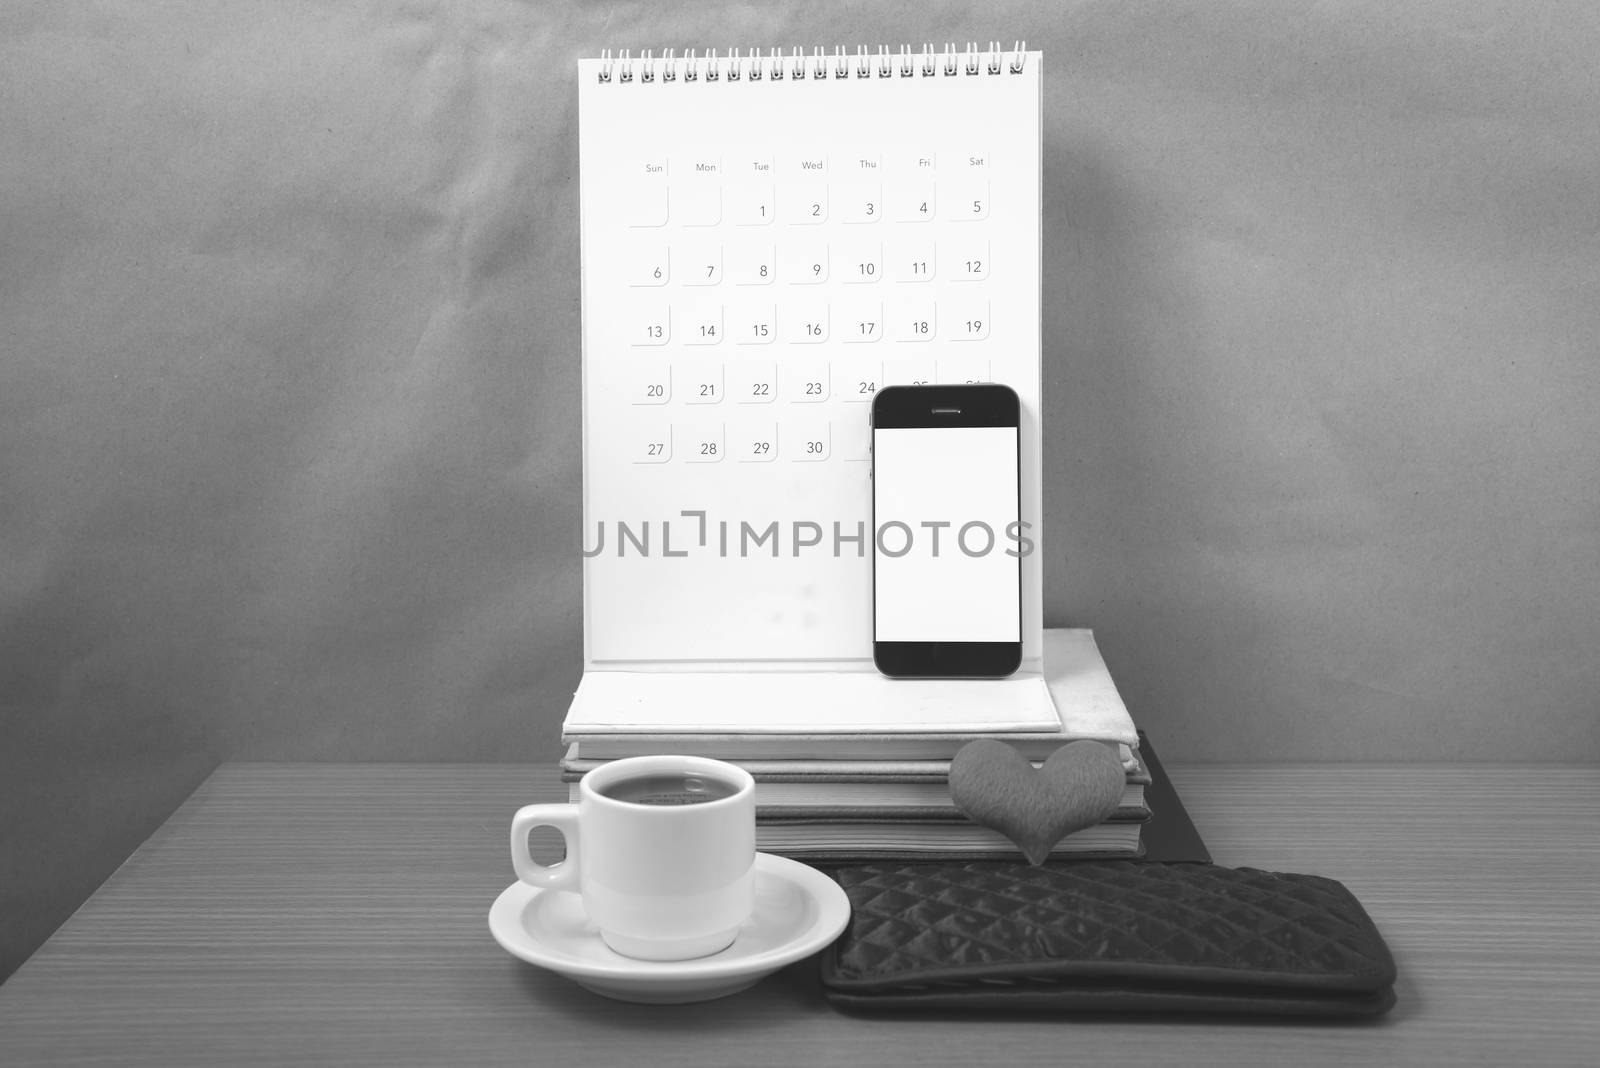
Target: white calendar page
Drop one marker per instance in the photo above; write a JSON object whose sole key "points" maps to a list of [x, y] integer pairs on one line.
{"points": [[758, 258]]}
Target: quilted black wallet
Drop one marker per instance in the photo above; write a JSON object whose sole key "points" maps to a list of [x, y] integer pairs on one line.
{"points": [[1116, 936]]}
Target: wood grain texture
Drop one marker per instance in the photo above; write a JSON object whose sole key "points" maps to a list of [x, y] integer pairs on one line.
{"points": [[336, 914]]}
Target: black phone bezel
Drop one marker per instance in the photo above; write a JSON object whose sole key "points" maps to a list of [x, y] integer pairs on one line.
{"points": [[974, 404]]}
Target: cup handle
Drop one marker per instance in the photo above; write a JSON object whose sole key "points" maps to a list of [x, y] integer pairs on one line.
{"points": [[563, 818]]}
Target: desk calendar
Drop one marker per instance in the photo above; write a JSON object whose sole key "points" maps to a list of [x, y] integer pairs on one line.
{"points": [[766, 240]]}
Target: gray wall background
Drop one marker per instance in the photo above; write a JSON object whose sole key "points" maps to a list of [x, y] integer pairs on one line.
{"points": [[289, 378]]}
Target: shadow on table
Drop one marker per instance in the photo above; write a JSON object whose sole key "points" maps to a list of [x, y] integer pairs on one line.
{"points": [[796, 989], [790, 989]]}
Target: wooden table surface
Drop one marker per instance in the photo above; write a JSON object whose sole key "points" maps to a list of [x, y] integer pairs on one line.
{"points": [[336, 914]]}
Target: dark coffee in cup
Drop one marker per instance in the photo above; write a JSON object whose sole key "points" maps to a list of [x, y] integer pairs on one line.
{"points": [[669, 789]]}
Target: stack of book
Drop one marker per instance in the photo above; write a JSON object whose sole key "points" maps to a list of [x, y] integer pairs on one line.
{"points": [[840, 794]]}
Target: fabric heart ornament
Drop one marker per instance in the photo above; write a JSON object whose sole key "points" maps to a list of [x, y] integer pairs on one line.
{"points": [[1079, 786]]}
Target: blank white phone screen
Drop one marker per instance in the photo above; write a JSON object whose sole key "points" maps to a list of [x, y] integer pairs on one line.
{"points": [[945, 561]]}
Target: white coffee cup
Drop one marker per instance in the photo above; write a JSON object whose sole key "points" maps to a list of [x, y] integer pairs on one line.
{"points": [[661, 849]]}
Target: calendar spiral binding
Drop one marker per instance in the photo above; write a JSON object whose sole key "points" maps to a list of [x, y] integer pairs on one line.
{"points": [[819, 65]]}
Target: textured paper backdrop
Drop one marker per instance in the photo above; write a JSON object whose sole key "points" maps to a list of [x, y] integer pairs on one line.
{"points": [[289, 379]]}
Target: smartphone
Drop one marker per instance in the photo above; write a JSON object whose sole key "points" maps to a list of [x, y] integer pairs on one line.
{"points": [[947, 534]]}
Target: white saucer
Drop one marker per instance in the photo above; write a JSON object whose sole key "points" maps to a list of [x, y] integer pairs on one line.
{"points": [[798, 911]]}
